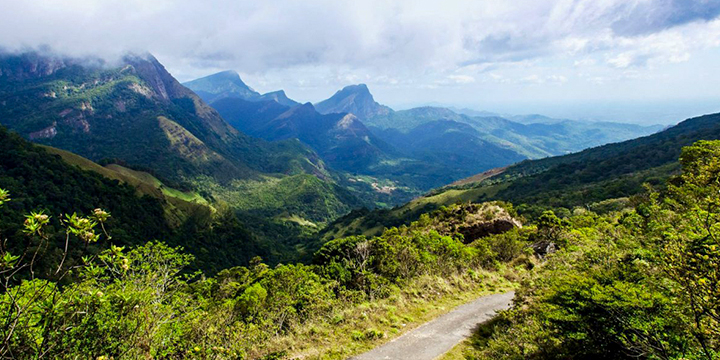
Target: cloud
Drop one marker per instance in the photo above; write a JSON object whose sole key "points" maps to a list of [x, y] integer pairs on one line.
{"points": [[461, 79], [538, 79], [644, 17], [373, 33], [312, 47]]}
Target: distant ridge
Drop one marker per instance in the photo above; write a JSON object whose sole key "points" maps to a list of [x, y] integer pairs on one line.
{"points": [[228, 84]]}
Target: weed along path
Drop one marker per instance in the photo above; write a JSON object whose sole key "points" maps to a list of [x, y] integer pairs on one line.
{"points": [[438, 336]]}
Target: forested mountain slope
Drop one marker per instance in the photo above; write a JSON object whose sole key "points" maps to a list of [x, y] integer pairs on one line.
{"points": [[584, 179], [39, 180], [137, 115], [398, 166]]}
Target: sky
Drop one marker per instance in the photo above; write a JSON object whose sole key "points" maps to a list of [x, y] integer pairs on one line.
{"points": [[645, 61]]}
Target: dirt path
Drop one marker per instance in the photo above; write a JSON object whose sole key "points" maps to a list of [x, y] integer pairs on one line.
{"points": [[438, 336]]}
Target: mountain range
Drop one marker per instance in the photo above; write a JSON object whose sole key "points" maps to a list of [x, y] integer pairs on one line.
{"points": [[136, 116], [416, 149], [533, 136], [602, 178], [217, 145]]}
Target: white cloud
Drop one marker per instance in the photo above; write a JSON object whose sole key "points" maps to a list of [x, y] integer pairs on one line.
{"points": [[461, 79], [312, 47], [585, 62]]}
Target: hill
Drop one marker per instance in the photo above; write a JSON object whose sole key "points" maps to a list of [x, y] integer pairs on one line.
{"points": [[57, 182], [535, 139], [457, 145], [178, 205], [341, 140], [587, 179], [137, 115]]}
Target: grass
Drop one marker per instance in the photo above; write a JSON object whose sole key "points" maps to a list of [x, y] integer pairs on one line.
{"points": [[139, 175], [297, 219], [458, 352], [355, 329], [294, 197], [185, 143], [479, 340], [455, 196], [83, 163], [178, 205]]}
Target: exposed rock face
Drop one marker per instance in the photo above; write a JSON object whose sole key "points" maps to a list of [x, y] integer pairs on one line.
{"points": [[486, 228], [46, 133], [165, 87], [155, 75], [142, 90], [475, 221], [542, 248]]}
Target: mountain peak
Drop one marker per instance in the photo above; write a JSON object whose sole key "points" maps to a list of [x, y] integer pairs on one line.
{"points": [[356, 89], [228, 84], [228, 73], [355, 99], [156, 76], [225, 83], [360, 87], [279, 97]]}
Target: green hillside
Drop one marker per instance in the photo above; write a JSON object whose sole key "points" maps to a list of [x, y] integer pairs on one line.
{"points": [[40, 181], [178, 205], [57, 182], [636, 282], [137, 116], [585, 179]]}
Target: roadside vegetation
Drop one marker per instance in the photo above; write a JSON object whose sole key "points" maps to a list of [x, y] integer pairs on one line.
{"points": [[144, 301], [641, 283], [640, 280]]}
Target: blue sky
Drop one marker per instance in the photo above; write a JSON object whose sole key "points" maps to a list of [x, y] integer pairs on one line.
{"points": [[630, 60]]}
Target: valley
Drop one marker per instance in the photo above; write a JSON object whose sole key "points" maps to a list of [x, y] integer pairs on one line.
{"points": [[145, 218], [289, 167]]}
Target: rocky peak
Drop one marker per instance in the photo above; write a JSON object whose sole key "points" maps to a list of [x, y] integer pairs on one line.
{"points": [[279, 97], [355, 99], [349, 121], [226, 83], [154, 74]]}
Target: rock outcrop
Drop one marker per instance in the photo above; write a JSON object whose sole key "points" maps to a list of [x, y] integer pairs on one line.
{"points": [[475, 221]]}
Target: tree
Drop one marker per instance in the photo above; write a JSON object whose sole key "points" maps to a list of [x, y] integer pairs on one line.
{"points": [[691, 239], [28, 302]]}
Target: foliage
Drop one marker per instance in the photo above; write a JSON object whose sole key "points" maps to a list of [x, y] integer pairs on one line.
{"points": [[139, 116], [587, 179], [640, 283], [144, 302], [43, 182]]}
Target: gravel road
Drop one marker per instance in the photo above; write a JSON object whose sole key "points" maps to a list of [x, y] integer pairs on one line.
{"points": [[438, 336]]}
